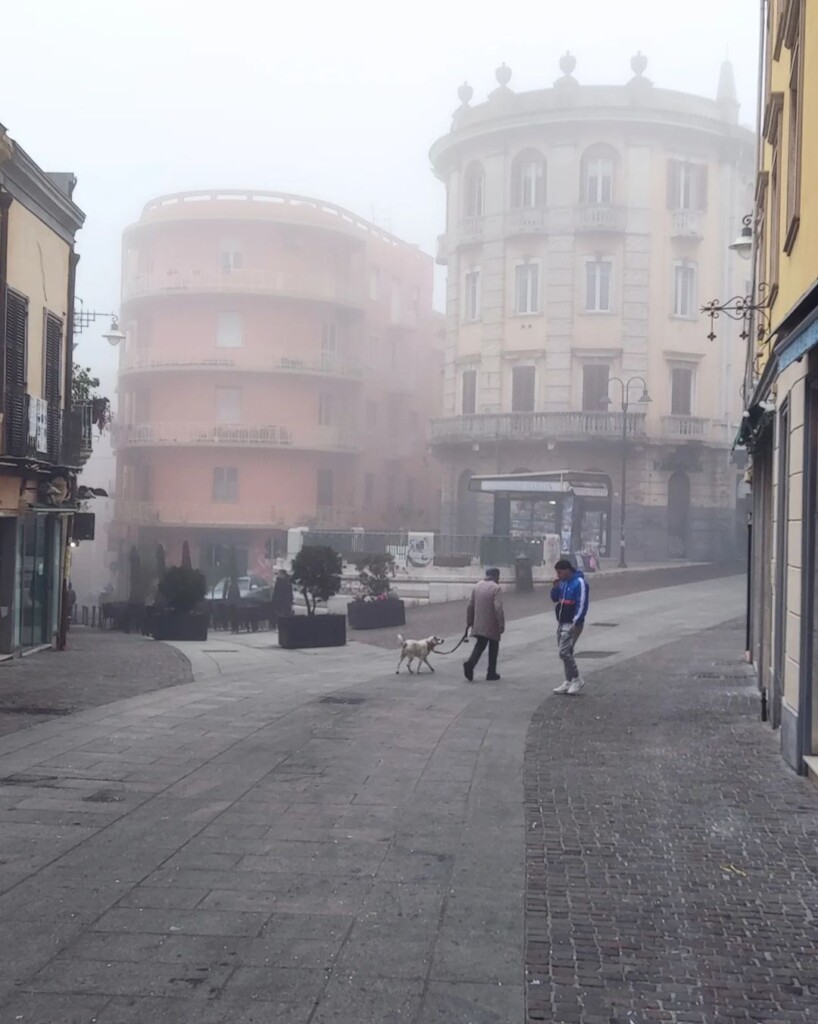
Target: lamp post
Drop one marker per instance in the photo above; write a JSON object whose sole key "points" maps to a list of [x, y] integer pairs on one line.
{"points": [[83, 317], [625, 393]]}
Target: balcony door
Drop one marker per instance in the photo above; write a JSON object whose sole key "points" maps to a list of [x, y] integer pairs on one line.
{"points": [[595, 378], [523, 388]]}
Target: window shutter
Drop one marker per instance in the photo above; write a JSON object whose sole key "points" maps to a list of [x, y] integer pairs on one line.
{"points": [[673, 184], [701, 188], [523, 389], [16, 335], [53, 360]]}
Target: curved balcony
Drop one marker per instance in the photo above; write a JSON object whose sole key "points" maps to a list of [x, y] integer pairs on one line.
{"points": [[301, 287], [233, 514], [526, 221], [601, 218], [198, 357], [535, 426], [692, 429], [147, 513], [234, 435], [687, 224]]}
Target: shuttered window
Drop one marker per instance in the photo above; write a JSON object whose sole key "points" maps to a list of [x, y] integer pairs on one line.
{"points": [[53, 366], [686, 186], [16, 335], [523, 388]]}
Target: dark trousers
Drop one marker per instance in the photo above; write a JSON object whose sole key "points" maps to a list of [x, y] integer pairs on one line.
{"points": [[480, 643]]}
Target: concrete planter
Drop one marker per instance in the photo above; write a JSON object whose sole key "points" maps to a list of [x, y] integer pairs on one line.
{"points": [[376, 614], [170, 625], [296, 631]]}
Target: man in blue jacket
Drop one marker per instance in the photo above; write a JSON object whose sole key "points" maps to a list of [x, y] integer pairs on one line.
{"points": [[571, 597]]}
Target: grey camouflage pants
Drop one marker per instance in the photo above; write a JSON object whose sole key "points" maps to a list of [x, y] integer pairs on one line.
{"points": [[567, 637]]}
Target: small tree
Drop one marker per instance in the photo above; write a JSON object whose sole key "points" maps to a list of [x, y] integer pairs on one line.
{"points": [[186, 561], [182, 588], [137, 589], [375, 573], [317, 574]]}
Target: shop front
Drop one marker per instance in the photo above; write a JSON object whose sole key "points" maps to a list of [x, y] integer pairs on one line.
{"points": [[572, 506], [38, 579]]}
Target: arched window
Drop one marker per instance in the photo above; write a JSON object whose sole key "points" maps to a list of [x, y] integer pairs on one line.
{"points": [[598, 185], [528, 180], [474, 187]]}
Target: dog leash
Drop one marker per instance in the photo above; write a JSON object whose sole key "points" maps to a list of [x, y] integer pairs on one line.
{"points": [[463, 639]]}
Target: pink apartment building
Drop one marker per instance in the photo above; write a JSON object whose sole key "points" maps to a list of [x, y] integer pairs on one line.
{"points": [[281, 364]]}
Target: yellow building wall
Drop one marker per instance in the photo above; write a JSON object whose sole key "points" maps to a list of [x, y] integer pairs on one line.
{"points": [[38, 266]]}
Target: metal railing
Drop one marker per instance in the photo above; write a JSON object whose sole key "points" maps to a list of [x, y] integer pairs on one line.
{"points": [[244, 281], [199, 357], [250, 435], [600, 217], [535, 426]]}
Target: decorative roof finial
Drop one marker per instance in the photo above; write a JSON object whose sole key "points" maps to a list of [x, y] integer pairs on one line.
{"points": [[727, 97], [465, 93], [639, 64], [568, 63], [503, 75]]}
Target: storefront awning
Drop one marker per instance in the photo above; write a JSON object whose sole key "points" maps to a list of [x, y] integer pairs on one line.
{"points": [[797, 333]]}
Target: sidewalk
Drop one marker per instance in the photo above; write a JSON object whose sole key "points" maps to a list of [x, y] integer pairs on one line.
{"points": [[305, 838]]}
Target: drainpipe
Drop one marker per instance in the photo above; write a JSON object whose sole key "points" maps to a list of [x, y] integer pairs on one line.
{"points": [[5, 204]]}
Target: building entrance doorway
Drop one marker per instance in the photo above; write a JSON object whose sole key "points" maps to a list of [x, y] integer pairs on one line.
{"points": [[678, 514]]}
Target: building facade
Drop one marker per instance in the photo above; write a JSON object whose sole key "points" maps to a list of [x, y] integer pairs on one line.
{"points": [[586, 225], [781, 421], [44, 439], [280, 364]]}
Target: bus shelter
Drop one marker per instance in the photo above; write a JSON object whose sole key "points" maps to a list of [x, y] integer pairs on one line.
{"points": [[574, 506]]}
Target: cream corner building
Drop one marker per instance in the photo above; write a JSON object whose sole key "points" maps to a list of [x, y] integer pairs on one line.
{"points": [[586, 227]]}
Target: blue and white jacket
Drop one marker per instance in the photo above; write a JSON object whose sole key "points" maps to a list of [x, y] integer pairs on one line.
{"points": [[571, 597]]}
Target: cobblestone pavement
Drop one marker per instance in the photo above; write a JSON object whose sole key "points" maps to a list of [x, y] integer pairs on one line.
{"points": [[97, 668], [449, 620], [672, 858]]}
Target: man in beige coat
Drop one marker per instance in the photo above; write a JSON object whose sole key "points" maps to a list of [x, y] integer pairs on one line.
{"points": [[486, 618]]}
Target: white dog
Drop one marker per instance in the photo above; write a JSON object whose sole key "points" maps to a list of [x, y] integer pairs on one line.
{"points": [[417, 649]]}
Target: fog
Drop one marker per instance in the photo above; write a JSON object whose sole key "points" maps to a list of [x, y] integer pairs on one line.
{"points": [[339, 101]]}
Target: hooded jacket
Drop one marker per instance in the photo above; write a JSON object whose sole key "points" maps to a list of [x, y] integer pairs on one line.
{"points": [[571, 598]]}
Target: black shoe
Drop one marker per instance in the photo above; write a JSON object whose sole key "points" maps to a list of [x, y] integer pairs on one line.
{"points": [[493, 679], [468, 671]]}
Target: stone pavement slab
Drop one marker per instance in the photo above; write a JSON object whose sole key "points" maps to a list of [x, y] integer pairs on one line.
{"points": [[272, 856]]}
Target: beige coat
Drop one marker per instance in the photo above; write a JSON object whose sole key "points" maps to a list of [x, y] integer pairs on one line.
{"points": [[485, 612]]}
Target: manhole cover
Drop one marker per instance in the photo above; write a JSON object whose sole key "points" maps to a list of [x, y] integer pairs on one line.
{"points": [[22, 709], [605, 625], [595, 654], [342, 700], [103, 796]]}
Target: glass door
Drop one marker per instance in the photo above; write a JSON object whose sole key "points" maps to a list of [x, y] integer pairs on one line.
{"points": [[35, 581]]}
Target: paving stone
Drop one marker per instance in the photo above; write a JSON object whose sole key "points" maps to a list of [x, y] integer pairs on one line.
{"points": [[34, 1008], [126, 977], [674, 864], [453, 1003], [367, 1000]]}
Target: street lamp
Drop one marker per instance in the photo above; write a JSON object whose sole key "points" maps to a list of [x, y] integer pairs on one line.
{"points": [[644, 398], [743, 245], [743, 307], [83, 317]]}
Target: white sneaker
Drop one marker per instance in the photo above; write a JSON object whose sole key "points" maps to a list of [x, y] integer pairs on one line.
{"points": [[563, 687], [575, 686]]}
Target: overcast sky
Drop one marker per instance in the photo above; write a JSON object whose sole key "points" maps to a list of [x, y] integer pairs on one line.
{"points": [[335, 100]]}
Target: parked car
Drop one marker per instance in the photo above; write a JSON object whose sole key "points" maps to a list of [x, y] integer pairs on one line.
{"points": [[252, 588]]}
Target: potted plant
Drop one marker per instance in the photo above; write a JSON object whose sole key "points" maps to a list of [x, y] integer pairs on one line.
{"points": [[375, 607], [317, 574], [181, 590]]}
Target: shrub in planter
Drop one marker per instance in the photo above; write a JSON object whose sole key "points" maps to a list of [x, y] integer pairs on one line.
{"points": [[317, 574], [377, 614], [181, 590], [376, 608], [453, 561]]}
